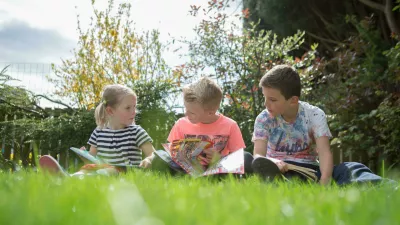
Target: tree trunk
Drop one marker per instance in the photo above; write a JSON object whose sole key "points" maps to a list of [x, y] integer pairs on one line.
{"points": [[388, 10], [394, 27]]}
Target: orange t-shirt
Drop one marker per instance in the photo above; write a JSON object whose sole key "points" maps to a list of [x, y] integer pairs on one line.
{"points": [[223, 133]]}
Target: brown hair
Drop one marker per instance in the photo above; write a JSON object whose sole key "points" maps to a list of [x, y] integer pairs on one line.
{"points": [[285, 79], [112, 96], [204, 91]]}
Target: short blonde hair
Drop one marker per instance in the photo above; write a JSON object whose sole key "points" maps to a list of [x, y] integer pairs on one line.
{"points": [[204, 91], [112, 96]]}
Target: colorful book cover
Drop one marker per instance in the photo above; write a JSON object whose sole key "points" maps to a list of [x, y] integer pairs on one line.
{"points": [[185, 153]]}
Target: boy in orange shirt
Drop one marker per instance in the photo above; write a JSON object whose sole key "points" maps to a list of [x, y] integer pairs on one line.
{"points": [[202, 121]]}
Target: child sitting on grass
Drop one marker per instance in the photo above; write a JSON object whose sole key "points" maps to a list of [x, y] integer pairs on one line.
{"points": [[287, 130], [202, 99], [116, 140]]}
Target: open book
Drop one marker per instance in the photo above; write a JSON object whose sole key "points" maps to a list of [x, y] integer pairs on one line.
{"points": [[306, 172], [185, 153], [95, 160], [85, 154]]}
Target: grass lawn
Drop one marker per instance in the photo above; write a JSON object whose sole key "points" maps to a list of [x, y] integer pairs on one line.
{"points": [[149, 198]]}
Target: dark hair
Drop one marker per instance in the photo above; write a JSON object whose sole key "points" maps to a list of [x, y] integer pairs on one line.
{"points": [[285, 79]]}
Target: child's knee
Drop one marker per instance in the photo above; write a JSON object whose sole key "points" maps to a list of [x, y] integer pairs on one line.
{"points": [[107, 171]]}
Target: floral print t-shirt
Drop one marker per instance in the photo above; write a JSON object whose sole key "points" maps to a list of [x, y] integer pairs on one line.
{"points": [[292, 141]]}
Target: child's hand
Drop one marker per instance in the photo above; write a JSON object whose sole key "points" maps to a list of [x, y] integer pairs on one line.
{"points": [[212, 155], [145, 163], [85, 161], [203, 160], [283, 167]]}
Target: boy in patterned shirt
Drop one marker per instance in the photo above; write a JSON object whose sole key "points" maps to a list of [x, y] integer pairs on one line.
{"points": [[293, 132]]}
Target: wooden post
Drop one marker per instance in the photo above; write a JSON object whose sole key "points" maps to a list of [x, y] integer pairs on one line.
{"points": [[3, 142], [32, 152], [23, 149], [40, 148], [13, 141], [7, 147]]}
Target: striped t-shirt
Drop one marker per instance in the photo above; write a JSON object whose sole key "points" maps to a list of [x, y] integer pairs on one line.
{"points": [[120, 146]]}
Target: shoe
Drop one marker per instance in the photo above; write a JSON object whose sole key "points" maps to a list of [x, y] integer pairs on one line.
{"points": [[266, 169], [51, 166]]}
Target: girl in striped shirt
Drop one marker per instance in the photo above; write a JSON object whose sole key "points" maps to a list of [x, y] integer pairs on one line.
{"points": [[117, 140]]}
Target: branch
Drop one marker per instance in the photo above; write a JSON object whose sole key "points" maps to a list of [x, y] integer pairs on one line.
{"points": [[324, 39], [21, 108], [45, 114], [55, 101], [387, 10], [391, 20], [324, 21], [373, 5], [382, 21]]}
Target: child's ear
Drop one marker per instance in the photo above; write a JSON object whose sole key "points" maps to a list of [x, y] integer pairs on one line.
{"points": [[109, 111], [212, 112], [294, 100]]}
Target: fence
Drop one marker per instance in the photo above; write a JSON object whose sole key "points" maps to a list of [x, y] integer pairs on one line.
{"points": [[22, 152], [33, 77]]}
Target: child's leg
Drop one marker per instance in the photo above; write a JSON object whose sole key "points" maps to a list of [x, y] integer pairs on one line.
{"points": [[50, 165], [354, 172], [163, 162], [95, 169], [266, 169], [111, 171], [248, 161]]}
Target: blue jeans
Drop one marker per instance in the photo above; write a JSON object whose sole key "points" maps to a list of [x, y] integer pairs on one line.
{"points": [[346, 173]]}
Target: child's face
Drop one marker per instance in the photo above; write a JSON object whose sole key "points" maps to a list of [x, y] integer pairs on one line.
{"points": [[124, 114], [275, 102], [196, 113]]}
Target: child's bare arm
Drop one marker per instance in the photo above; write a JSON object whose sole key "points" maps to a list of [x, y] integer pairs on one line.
{"points": [[92, 151], [148, 151], [325, 158], [260, 148]]}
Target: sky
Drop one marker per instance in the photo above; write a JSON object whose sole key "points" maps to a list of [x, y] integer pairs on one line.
{"points": [[35, 33]]}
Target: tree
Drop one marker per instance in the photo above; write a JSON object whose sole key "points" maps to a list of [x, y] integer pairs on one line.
{"points": [[387, 9], [112, 51], [16, 100], [323, 21], [237, 58]]}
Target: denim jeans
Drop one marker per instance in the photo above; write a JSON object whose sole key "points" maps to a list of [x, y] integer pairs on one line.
{"points": [[347, 173]]}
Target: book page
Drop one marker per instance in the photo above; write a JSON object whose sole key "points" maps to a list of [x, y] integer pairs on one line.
{"points": [[184, 152], [232, 163], [85, 154]]}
